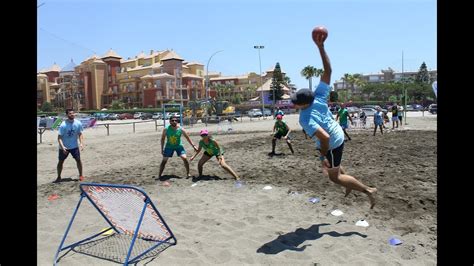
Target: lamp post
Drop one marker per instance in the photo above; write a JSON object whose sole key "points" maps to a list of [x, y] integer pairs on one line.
{"points": [[258, 47], [405, 90], [75, 93], [207, 74]]}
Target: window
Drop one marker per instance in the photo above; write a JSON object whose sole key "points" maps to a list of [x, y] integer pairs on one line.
{"points": [[157, 83]]}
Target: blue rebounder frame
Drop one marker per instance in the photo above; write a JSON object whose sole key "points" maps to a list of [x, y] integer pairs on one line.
{"points": [[128, 260]]}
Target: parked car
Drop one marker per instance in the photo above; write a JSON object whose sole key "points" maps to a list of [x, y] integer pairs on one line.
{"points": [[113, 117], [145, 116], [238, 114], [157, 116], [137, 115], [267, 112], [125, 116], [167, 116], [433, 108], [375, 107], [175, 114], [353, 110], [254, 113], [417, 107], [368, 111], [100, 116]]}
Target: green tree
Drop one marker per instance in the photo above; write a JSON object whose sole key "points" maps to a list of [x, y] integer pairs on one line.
{"points": [[342, 95], [249, 91], [333, 96], [423, 76], [237, 98], [276, 87], [46, 107], [229, 91], [220, 89], [309, 72], [116, 105]]}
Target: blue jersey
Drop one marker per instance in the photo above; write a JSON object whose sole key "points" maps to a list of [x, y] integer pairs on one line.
{"points": [[378, 118], [69, 132], [317, 115]]}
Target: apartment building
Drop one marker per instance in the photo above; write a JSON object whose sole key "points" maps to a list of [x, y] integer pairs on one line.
{"points": [[385, 75]]}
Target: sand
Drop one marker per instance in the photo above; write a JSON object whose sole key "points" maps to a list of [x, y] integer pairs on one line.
{"points": [[218, 223]]}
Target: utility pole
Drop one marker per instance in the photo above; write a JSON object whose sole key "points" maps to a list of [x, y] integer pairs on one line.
{"points": [[259, 47], [405, 90]]}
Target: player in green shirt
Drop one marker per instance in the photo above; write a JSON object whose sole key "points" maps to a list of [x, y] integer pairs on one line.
{"points": [[211, 148], [342, 115], [282, 130], [173, 134]]}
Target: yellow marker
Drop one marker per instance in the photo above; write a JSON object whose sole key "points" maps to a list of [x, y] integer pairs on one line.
{"points": [[107, 231]]}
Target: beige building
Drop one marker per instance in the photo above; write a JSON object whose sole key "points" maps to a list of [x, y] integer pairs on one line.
{"points": [[386, 75]]}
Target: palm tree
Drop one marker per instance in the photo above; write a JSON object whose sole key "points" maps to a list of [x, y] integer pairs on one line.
{"points": [[309, 72], [229, 89], [318, 72], [220, 90], [249, 92]]}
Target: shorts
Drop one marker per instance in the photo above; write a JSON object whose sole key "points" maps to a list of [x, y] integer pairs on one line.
{"points": [[344, 125], [76, 154], [168, 152], [400, 118], [334, 156], [395, 118], [378, 123], [278, 135], [208, 155]]}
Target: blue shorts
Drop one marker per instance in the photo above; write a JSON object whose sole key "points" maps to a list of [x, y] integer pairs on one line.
{"points": [[344, 125], [168, 152], [74, 152]]}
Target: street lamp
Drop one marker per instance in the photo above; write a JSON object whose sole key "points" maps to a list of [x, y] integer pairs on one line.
{"points": [[405, 90], [261, 82], [207, 74]]}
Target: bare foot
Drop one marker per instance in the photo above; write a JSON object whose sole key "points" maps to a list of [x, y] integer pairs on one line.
{"points": [[348, 191], [371, 193]]}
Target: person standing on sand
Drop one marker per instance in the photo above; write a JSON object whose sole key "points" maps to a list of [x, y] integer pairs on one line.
{"points": [[282, 130], [69, 132], [342, 115], [173, 133], [400, 114], [378, 120], [211, 148], [395, 116], [328, 134]]}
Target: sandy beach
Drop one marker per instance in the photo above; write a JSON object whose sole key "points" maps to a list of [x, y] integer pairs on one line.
{"points": [[216, 222]]}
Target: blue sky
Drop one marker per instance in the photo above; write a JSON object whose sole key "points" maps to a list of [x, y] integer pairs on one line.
{"points": [[365, 36]]}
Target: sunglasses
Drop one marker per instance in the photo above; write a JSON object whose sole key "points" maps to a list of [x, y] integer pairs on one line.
{"points": [[204, 135], [173, 120]]}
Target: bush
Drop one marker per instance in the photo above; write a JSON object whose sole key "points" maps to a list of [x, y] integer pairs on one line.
{"points": [[46, 107]]}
